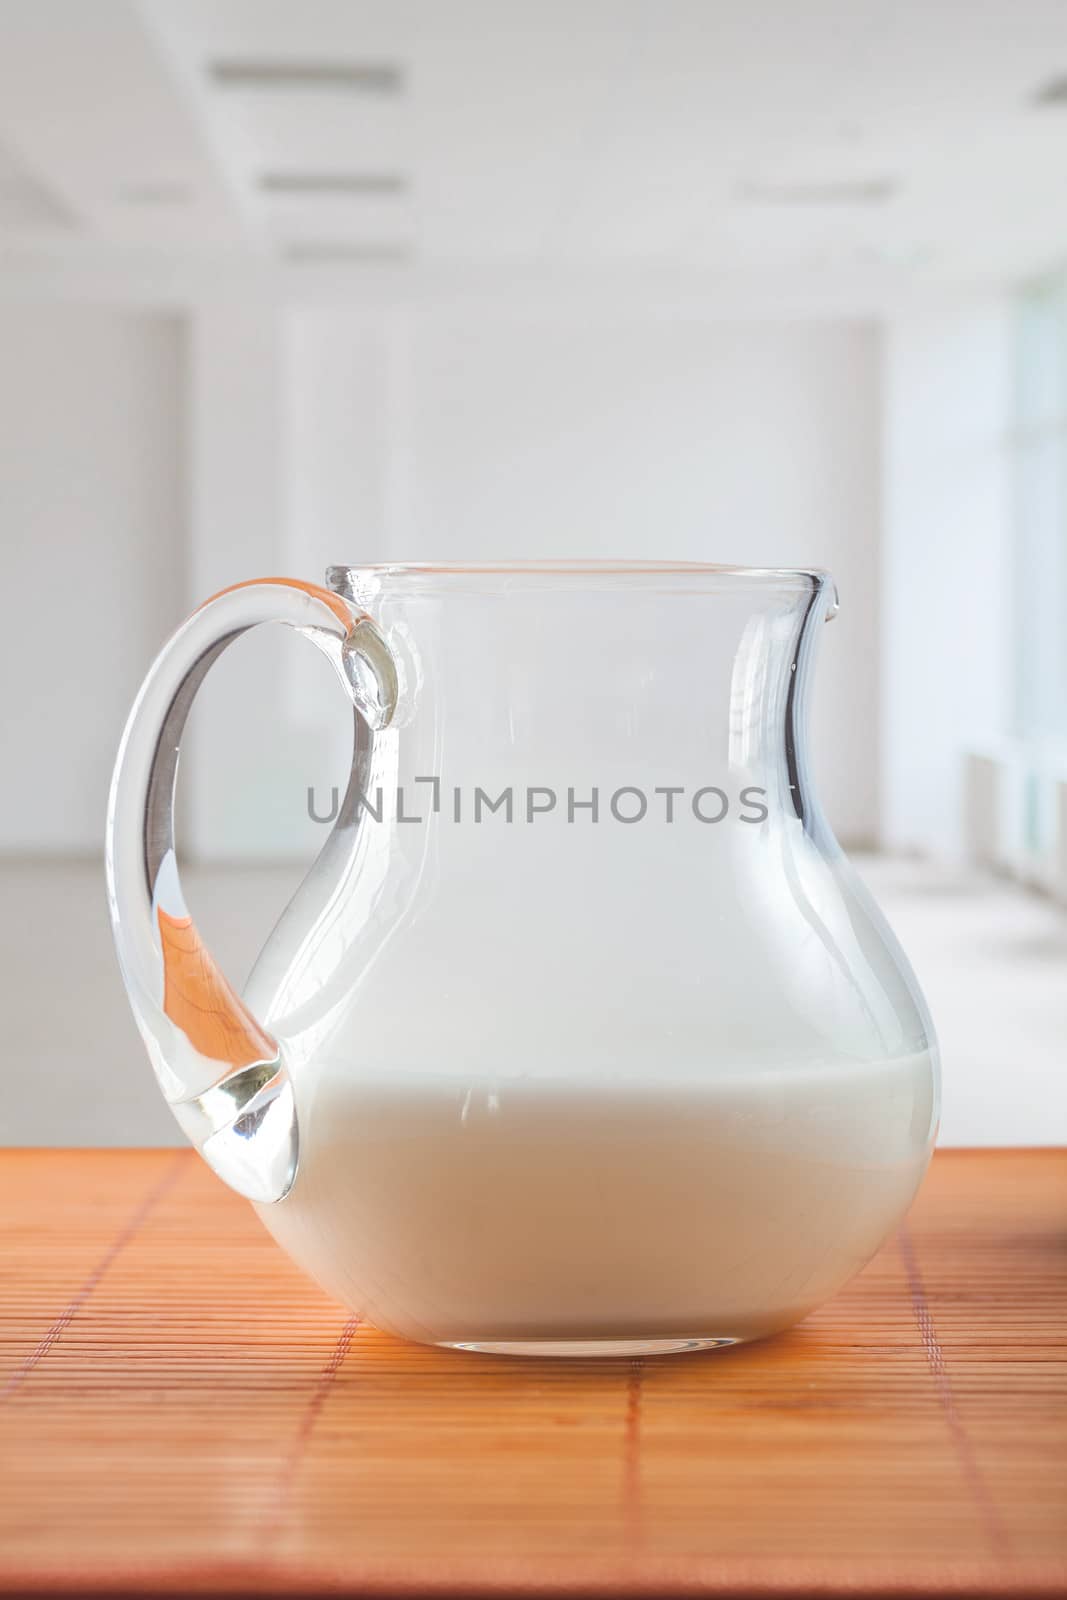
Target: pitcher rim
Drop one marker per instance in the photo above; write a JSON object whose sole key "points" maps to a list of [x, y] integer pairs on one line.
{"points": [[591, 573]]}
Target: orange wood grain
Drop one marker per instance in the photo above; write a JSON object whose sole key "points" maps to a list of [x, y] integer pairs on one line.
{"points": [[182, 1412], [198, 1000]]}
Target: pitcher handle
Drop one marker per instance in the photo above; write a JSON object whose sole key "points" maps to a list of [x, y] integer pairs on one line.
{"points": [[222, 1073]]}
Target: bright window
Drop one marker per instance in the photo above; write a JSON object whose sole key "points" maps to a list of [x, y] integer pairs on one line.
{"points": [[1040, 544]]}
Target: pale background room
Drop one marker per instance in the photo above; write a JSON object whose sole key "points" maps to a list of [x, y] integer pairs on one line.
{"points": [[536, 286]]}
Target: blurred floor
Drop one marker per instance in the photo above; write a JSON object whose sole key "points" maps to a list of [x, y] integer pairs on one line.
{"points": [[992, 960]]}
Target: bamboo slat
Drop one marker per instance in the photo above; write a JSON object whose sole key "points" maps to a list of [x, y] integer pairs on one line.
{"points": [[182, 1412]]}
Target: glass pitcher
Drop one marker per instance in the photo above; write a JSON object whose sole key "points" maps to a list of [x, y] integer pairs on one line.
{"points": [[581, 1036]]}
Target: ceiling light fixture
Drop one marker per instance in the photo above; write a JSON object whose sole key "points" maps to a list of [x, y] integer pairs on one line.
{"points": [[348, 77]]}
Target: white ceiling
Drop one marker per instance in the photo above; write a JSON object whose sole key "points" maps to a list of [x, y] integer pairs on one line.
{"points": [[767, 140]]}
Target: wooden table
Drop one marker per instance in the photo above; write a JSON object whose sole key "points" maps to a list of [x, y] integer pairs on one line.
{"points": [[183, 1413]]}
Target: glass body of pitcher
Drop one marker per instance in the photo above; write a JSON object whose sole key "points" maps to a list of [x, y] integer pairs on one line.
{"points": [[581, 1035]]}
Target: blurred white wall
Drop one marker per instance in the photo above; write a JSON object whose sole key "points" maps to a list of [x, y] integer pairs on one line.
{"points": [[946, 581], [93, 517], [755, 444], [494, 438], [150, 460]]}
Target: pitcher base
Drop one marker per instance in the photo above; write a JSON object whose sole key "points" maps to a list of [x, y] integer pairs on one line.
{"points": [[625, 1348]]}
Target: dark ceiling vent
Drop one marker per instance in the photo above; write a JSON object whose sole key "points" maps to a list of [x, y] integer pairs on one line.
{"points": [[1052, 93], [163, 193], [372, 183], [340, 252], [346, 77]]}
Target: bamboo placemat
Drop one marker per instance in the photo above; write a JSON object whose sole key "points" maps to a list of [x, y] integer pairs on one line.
{"points": [[182, 1412]]}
